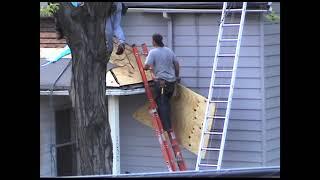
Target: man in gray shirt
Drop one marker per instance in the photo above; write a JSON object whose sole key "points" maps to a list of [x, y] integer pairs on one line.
{"points": [[166, 69]]}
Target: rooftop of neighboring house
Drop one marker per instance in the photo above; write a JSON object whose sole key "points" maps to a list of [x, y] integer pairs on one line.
{"points": [[48, 34]]}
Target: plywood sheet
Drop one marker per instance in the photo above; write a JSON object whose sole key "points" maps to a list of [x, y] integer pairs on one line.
{"points": [[127, 72], [187, 113]]}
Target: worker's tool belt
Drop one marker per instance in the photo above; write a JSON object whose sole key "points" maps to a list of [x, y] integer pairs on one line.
{"points": [[164, 83], [168, 87]]}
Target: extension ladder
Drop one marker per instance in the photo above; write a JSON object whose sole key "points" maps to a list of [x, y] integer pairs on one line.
{"points": [[205, 149], [156, 122]]}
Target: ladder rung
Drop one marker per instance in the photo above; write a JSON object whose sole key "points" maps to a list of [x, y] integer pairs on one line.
{"points": [[218, 101], [226, 40], [217, 117], [221, 85], [234, 10], [226, 55], [230, 24], [213, 133], [223, 70], [211, 149], [208, 165]]}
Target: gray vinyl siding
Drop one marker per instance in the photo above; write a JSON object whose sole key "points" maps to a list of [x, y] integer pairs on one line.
{"points": [[195, 46], [195, 38], [139, 28], [272, 89], [139, 148]]}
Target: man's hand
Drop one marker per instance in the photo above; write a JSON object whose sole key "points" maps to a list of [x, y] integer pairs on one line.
{"points": [[175, 93], [146, 67]]}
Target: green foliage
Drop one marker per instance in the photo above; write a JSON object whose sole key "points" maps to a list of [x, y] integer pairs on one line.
{"points": [[49, 10], [273, 17]]}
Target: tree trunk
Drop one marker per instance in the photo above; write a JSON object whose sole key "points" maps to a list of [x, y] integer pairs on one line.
{"points": [[83, 28]]}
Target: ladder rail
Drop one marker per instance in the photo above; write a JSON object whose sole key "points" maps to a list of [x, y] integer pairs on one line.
{"points": [[177, 152], [215, 63], [145, 53], [235, 64], [163, 143]]}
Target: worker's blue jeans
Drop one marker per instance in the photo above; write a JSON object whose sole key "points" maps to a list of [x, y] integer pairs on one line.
{"points": [[163, 102], [113, 27]]}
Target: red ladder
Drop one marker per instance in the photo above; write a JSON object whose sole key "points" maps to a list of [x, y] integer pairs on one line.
{"points": [[157, 122]]}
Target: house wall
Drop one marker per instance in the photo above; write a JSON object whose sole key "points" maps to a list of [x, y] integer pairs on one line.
{"points": [[272, 88], [194, 41]]}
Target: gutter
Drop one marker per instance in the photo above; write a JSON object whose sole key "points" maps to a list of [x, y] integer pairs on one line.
{"points": [[109, 92], [178, 10]]}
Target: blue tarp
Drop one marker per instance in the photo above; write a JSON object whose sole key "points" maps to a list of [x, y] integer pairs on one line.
{"points": [[66, 51]]}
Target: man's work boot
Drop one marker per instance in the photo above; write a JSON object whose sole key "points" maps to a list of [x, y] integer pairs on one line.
{"points": [[120, 49]]}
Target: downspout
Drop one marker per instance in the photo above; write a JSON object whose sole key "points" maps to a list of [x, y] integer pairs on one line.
{"points": [[263, 110], [270, 6], [169, 32]]}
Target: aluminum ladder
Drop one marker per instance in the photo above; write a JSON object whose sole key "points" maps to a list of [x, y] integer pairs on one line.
{"points": [[204, 149]]}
